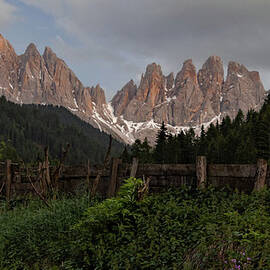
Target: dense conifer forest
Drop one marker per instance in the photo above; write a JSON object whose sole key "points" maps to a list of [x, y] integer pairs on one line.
{"points": [[26, 129], [242, 140]]}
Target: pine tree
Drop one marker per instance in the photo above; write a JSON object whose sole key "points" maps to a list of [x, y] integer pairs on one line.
{"points": [[202, 143], [125, 156], [161, 142], [263, 139], [239, 119], [136, 148], [172, 149], [146, 156]]}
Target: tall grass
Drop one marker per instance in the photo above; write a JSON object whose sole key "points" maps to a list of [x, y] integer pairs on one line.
{"points": [[36, 235], [180, 229]]}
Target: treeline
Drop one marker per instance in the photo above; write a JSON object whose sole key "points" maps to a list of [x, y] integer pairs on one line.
{"points": [[26, 129], [242, 140]]}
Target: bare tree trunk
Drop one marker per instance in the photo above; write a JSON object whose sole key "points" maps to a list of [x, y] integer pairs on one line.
{"points": [[113, 180], [2, 187], [105, 165], [33, 186], [36, 190], [88, 176], [57, 172], [47, 168], [8, 180]]}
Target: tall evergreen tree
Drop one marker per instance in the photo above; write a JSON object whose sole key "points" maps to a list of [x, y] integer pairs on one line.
{"points": [[161, 142], [202, 143]]}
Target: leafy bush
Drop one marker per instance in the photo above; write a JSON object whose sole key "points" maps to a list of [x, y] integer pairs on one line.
{"points": [[184, 229], [179, 229]]}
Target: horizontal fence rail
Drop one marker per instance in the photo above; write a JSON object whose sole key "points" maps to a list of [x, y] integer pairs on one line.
{"points": [[15, 179]]}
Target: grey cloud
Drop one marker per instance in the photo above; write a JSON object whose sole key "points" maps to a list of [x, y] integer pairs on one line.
{"points": [[7, 13], [129, 34]]}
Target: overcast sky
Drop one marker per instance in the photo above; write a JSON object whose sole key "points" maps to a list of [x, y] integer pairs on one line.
{"points": [[111, 41]]}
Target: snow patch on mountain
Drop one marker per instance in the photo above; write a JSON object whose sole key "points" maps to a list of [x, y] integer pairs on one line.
{"points": [[127, 130]]}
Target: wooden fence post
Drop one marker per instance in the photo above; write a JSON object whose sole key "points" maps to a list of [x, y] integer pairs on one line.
{"points": [[47, 168], [8, 179], [260, 178], [88, 176], [134, 167], [201, 171], [113, 181]]}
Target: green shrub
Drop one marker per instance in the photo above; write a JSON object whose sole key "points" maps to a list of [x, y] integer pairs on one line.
{"points": [[179, 229]]}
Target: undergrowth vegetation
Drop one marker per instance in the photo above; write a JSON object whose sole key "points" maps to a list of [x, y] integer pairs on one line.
{"points": [[178, 229]]}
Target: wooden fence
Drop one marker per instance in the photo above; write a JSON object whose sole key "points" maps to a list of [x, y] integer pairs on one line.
{"points": [[14, 178]]}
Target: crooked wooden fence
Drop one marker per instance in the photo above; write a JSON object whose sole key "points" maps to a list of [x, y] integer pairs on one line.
{"points": [[14, 178]]}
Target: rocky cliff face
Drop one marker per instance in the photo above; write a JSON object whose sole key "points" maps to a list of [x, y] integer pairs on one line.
{"points": [[210, 79], [189, 99], [192, 98], [9, 69], [46, 79], [123, 97], [242, 90]]}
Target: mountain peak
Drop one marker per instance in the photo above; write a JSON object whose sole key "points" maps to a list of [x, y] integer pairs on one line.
{"points": [[32, 50], [214, 63], [130, 84], [188, 62], [48, 51], [210, 79], [123, 97], [5, 45], [241, 87], [212, 72], [49, 56], [151, 68], [98, 96], [214, 58], [234, 67], [188, 72], [169, 81]]}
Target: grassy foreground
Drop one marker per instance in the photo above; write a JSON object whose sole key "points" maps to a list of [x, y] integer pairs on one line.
{"points": [[183, 229]]}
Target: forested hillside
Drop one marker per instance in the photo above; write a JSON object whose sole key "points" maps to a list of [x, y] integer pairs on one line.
{"points": [[242, 140], [26, 129]]}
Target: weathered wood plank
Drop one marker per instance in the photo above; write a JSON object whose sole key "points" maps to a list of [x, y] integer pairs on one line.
{"points": [[166, 169], [24, 186], [231, 170]]}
